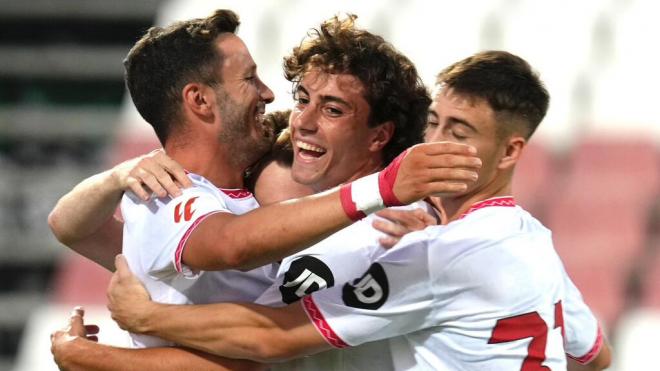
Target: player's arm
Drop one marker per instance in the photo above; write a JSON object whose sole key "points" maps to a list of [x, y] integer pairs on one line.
{"points": [[237, 330], [73, 350], [601, 362], [267, 334], [83, 219], [586, 345], [86, 355], [225, 241], [233, 330]]}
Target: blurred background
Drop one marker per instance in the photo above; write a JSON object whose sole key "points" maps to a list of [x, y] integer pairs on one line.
{"points": [[591, 173]]}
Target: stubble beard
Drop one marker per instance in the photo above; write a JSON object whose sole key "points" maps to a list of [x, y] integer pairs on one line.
{"points": [[237, 134]]}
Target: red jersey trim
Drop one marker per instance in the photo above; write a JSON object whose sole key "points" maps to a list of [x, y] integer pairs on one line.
{"points": [[236, 193], [598, 345], [321, 324], [506, 201], [178, 253], [232, 193]]}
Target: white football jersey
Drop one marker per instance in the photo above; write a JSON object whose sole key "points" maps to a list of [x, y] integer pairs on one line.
{"points": [[486, 292], [331, 262], [155, 234]]}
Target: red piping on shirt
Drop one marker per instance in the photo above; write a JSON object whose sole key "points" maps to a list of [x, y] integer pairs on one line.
{"points": [[322, 326], [594, 350], [178, 253]]}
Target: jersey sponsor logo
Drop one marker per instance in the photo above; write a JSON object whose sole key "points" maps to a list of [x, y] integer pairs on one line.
{"points": [[368, 292], [305, 275], [187, 213]]}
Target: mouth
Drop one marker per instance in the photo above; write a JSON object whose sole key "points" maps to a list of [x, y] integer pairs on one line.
{"points": [[309, 151]]}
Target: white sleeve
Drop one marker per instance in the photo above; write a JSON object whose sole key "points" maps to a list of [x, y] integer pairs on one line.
{"points": [[584, 337], [393, 297], [158, 233]]}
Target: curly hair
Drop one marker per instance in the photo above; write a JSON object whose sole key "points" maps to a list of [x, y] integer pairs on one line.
{"points": [[507, 82], [394, 89], [165, 59]]}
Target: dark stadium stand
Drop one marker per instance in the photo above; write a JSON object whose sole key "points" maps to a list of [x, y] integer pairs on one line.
{"points": [[61, 89]]}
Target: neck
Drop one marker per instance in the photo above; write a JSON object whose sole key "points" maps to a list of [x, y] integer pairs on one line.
{"points": [[207, 159]]}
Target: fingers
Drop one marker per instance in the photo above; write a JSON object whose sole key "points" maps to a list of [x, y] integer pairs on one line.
{"points": [[440, 148], [388, 242], [400, 222], [425, 218], [155, 173], [121, 266], [390, 228], [76, 325], [176, 171]]}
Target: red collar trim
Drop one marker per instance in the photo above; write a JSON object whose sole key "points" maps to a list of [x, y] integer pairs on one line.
{"points": [[232, 193], [506, 201], [236, 193]]}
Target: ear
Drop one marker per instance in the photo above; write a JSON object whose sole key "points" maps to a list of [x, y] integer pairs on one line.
{"points": [[199, 99], [380, 136], [512, 151]]}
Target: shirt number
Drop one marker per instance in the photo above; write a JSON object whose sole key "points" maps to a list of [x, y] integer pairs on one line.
{"points": [[525, 326]]}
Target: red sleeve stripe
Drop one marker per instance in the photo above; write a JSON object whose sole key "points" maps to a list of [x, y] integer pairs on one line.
{"points": [[321, 324], [594, 350], [178, 253]]}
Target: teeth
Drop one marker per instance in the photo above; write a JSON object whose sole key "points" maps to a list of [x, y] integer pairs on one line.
{"points": [[309, 147]]}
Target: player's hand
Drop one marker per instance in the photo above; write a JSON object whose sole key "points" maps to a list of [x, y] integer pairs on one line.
{"points": [[432, 169], [63, 341], [154, 173], [397, 223], [128, 300]]}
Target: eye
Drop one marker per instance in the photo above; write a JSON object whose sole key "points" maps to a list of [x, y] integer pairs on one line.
{"points": [[300, 98], [458, 135], [333, 111]]}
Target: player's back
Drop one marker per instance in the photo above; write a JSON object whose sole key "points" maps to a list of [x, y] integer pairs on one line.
{"points": [[498, 286], [155, 234]]}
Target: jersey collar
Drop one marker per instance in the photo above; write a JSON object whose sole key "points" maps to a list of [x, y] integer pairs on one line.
{"points": [[506, 201]]}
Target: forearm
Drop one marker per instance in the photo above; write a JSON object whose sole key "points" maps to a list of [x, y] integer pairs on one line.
{"points": [[233, 330], [265, 235], [82, 354]]}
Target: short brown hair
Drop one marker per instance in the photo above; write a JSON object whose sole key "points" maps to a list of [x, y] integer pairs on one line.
{"points": [[506, 81], [165, 59], [394, 90]]}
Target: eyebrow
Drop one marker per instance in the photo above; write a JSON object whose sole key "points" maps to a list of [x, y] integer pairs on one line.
{"points": [[326, 98]]}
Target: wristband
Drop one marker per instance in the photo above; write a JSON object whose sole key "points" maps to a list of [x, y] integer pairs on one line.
{"points": [[386, 179], [361, 197]]}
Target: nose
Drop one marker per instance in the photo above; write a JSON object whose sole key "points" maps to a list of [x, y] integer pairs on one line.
{"points": [[304, 119], [265, 93], [433, 134]]}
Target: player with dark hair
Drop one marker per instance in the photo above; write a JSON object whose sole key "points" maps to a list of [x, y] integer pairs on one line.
{"points": [[486, 290], [210, 243]]}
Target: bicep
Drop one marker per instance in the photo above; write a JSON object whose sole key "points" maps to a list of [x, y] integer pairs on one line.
{"points": [[208, 247], [103, 245]]}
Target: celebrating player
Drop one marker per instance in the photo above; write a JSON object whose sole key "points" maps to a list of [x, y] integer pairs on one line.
{"points": [[216, 134], [485, 291]]}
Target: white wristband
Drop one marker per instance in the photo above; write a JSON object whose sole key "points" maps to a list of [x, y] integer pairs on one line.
{"points": [[361, 197]]}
